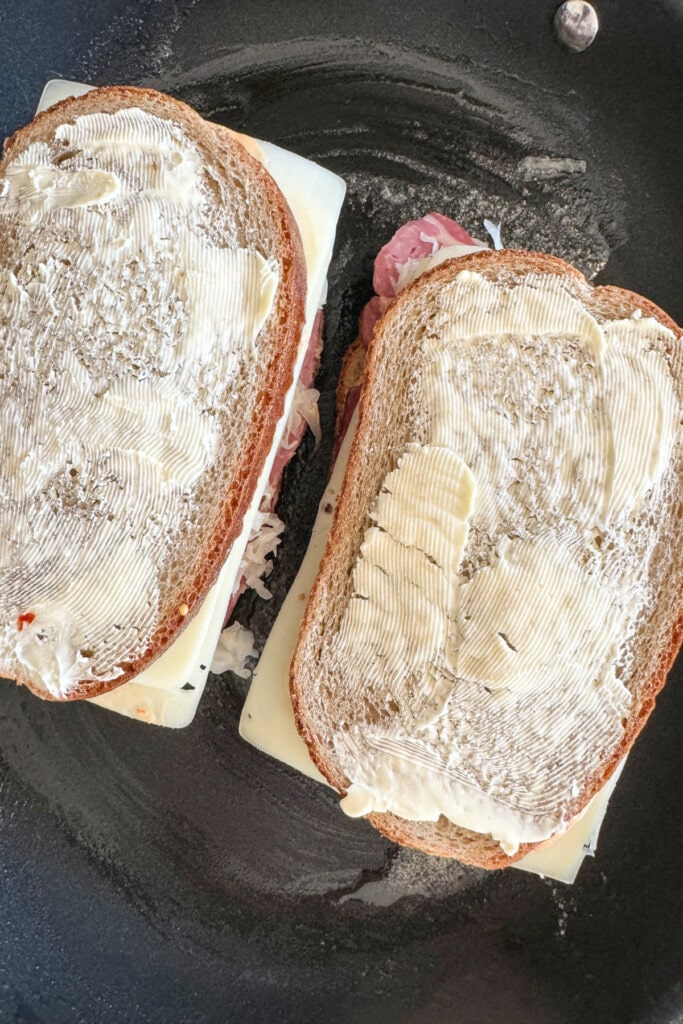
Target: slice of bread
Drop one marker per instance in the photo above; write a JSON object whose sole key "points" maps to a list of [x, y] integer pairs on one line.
{"points": [[141, 247], [626, 551]]}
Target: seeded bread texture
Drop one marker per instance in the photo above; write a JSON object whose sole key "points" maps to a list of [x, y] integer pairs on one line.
{"points": [[247, 211], [390, 418]]}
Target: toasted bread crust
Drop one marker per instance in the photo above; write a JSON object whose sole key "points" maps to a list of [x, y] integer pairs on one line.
{"points": [[442, 837], [283, 328], [348, 390]]}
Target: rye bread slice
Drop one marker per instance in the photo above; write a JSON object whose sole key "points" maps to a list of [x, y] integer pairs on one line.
{"points": [[388, 416], [242, 208]]}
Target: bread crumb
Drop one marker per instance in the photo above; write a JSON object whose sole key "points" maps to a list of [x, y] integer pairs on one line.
{"points": [[183, 610]]}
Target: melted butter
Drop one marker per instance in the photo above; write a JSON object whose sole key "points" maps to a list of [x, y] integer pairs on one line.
{"points": [[46, 188], [642, 413], [487, 696], [502, 644], [122, 303], [554, 425], [151, 154], [394, 627], [474, 307], [439, 529]]}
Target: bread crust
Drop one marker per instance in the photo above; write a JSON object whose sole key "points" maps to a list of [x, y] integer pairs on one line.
{"points": [[442, 837], [283, 329]]}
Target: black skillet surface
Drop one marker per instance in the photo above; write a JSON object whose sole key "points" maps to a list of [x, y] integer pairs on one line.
{"points": [[152, 876]]}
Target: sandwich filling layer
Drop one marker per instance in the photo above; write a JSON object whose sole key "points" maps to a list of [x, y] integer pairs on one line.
{"points": [[483, 652], [124, 300]]}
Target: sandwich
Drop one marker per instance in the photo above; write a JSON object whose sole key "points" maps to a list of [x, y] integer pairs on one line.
{"points": [[499, 600], [161, 332]]}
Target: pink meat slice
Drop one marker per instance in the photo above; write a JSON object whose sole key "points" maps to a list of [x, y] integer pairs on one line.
{"points": [[414, 241]]}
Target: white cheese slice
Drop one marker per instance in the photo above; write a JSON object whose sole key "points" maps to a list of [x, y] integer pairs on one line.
{"points": [[563, 857], [267, 720], [168, 692]]}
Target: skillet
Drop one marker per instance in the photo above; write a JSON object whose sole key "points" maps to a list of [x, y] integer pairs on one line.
{"points": [[154, 876]]}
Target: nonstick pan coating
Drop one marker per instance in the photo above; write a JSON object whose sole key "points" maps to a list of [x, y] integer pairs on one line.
{"points": [[155, 876]]}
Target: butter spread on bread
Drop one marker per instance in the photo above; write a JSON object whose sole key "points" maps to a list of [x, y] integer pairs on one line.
{"points": [[471, 696], [168, 691], [267, 719], [152, 281]]}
